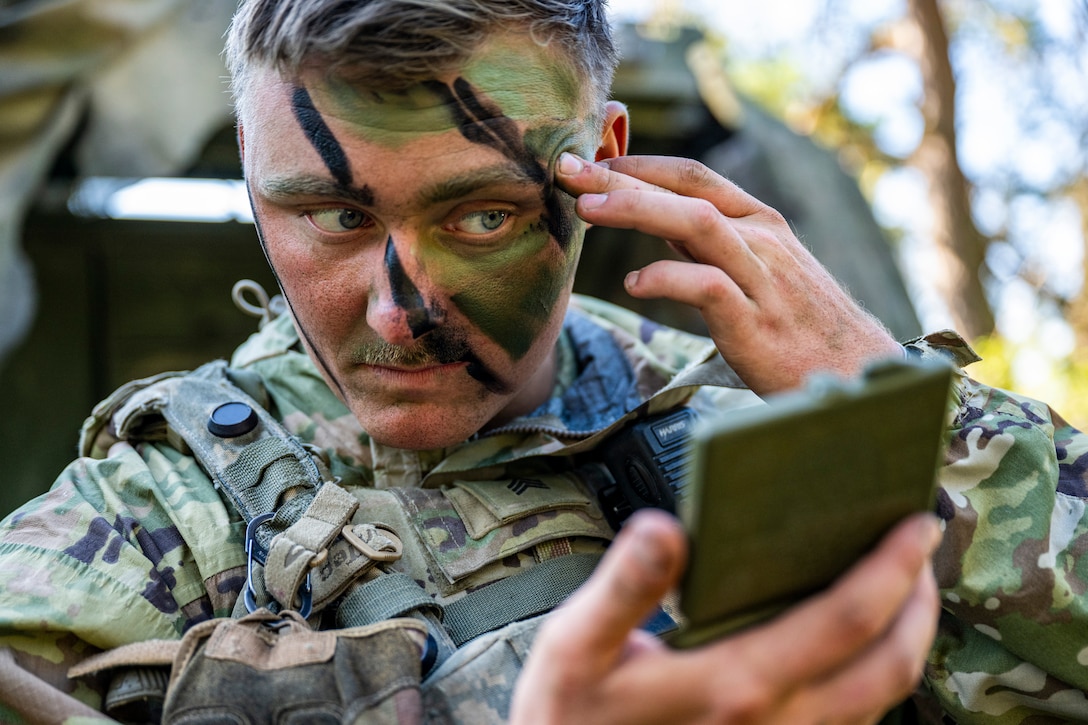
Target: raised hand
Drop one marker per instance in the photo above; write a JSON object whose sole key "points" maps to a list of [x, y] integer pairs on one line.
{"points": [[775, 313]]}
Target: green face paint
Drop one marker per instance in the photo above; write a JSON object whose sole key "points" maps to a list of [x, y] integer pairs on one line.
{"points": [[526, 89], [389, 119], [511, 294], [511, 74]]}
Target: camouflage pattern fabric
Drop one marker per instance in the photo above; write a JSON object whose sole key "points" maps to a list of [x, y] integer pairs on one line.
{"points": [[1013, 639], [134, 543]]}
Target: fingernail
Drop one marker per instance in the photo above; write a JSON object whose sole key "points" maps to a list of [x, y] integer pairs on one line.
{"points": [[648, 546], [631, 279], [592, 201], [930, 532], [569, 164]]}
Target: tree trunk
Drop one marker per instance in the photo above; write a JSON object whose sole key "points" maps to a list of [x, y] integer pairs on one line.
{"points": [[961, 246]]}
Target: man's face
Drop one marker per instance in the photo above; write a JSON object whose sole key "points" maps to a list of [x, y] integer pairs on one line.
{"points": [[426, 255]]}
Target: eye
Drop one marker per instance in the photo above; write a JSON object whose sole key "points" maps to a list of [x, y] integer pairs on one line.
{"points": [[484, 221], [337, 220]]}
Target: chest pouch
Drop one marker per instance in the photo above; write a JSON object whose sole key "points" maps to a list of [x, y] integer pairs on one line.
{"points": [[273, 668]]}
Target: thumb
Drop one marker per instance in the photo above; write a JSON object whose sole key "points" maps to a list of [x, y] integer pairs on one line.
{"points": [[641, 565]]}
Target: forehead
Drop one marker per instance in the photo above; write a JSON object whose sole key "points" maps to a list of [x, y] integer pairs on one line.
{"points": [[511, 76]]}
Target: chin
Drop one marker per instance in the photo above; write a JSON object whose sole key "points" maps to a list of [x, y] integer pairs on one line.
{"points": [[419, 430], [414, 440]]}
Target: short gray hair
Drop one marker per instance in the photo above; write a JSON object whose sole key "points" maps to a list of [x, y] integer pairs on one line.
{"points": [[393, 44]]}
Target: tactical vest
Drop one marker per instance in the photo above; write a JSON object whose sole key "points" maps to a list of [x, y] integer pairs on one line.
{"points": [[408, 604]]}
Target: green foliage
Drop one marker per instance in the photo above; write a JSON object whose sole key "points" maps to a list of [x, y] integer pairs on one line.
{"points": [[1062, 383], [774, 84]]}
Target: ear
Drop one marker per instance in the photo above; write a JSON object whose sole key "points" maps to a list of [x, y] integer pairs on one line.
{"points": [[614, 133], [241, 143]]}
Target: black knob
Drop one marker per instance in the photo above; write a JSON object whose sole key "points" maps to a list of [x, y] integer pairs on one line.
{"points": [[232, 419]]}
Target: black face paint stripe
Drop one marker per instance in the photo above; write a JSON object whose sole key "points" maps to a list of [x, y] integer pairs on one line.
{"points": [[321, 138], [442, 347], [560, 224], [493, 124], [479, 372], [447, 347], [406, 295], [484, 123]]}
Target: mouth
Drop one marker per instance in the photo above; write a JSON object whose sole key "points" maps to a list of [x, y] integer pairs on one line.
{"points": [[410, 370], [424, 376], [439, 354], [419, 383]]}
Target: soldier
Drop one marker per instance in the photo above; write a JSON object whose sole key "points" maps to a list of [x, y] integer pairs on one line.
{"points": [[380, 489]]}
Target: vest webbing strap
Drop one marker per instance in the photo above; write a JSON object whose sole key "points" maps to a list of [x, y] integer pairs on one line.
{"points": [[533, 591], [384, 597], [263, 471], [257, 469]]}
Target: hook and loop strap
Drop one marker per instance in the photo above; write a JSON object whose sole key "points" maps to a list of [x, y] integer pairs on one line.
{"points": [[531, 592], [385, 597], [304, 545]]}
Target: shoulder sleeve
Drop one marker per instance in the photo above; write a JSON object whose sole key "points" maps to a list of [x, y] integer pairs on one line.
{"points": [[131, 547], [1013, 567]]}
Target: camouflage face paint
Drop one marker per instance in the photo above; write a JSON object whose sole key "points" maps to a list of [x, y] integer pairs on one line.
{"points": [[513, 306], [521, 104], [482, 122], [442, 346], [320, 137], [406, 295], [514, 75]]}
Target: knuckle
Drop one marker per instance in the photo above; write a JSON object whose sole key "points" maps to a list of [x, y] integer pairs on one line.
{"points": [[612, 180], [716, 287], [628, 164], [749, 703], [704, 214], [773, 216], [860, 623], [695, 173]]}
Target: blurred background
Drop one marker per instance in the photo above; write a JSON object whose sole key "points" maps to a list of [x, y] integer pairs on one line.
{"points": [[932, 153]]}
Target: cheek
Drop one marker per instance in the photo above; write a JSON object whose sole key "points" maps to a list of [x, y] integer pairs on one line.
{"points": [[324, 293], [512, 299]]}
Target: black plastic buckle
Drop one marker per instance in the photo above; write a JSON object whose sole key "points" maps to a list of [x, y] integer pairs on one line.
{"points": [[257, 553]]}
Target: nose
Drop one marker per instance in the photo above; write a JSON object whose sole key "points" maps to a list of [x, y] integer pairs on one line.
{"points": [[398, 309]]}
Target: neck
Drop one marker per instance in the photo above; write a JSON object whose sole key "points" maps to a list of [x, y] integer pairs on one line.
{"points": [[533, 395]]}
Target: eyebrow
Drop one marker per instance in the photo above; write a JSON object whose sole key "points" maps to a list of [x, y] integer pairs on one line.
{"points": [[285, 188], [464, 184]]}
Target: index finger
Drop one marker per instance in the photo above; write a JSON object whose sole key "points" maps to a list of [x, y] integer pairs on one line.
{"points": [[590, 630], [577, 176]]}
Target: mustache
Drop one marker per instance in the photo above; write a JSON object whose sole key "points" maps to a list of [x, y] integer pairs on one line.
{"points": [[431, 350], [439, 347]]}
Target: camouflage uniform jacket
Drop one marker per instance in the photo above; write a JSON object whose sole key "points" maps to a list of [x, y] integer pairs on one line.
{"points": [[133, 542]]}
